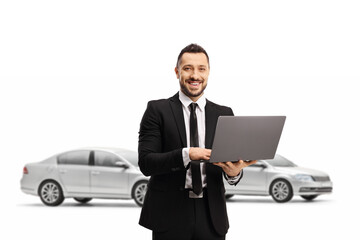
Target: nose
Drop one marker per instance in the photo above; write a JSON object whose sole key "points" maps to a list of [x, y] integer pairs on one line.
{"points": [[195, 75]]}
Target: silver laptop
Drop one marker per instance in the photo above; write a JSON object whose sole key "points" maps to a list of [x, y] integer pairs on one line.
{"points": [[246, 138]]}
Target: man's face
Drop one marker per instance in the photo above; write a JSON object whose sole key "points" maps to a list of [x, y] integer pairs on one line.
{"points": [[193, 73]]}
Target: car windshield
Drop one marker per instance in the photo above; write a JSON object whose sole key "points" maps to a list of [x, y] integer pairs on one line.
{"points": [[280, 161], [130, 156]]}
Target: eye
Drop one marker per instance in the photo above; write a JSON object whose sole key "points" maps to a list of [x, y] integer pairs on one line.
{"points": [[187, 68]]}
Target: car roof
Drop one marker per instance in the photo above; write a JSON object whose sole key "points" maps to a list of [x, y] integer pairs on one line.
{"points": [[106, 149]]}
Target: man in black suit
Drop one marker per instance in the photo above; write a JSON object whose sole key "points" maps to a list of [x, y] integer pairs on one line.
{"points": [[186, 196]]}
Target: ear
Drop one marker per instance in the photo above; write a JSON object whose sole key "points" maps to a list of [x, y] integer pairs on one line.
{"points": [[177, 72]]}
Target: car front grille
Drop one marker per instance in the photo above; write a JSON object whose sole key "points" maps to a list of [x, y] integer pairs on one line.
{"points": [[321, 178]]}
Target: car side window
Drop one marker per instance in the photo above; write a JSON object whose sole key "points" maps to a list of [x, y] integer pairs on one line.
{"points": [[257, 165], [105, 159], [75, 158]]}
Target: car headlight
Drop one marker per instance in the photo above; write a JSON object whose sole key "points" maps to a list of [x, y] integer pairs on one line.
{"points": [[304, 178]]}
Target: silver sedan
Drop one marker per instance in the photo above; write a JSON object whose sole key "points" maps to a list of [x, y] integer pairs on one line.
{"points": [[281, 179], [85, 174]]}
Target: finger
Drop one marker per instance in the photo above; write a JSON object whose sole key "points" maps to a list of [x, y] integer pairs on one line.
{"points": [[217, 164], [229, 164], [251, 162], [226, 166], [220, 164], [238, 163], [207, 154]]}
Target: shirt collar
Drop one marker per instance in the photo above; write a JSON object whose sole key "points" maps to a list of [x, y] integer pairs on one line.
{"points": [[186, 101]]}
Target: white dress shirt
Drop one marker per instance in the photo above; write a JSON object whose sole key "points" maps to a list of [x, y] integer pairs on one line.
{"points": [[200, 114]]}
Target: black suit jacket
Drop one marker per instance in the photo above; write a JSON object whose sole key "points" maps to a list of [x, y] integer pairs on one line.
{"points": [[162, 137]]}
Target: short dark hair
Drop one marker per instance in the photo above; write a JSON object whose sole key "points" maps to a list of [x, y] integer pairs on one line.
{"points": [[192, 48]]}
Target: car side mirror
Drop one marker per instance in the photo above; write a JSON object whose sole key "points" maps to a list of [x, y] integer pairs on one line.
{"points": [[263, 166], [121, 164]]}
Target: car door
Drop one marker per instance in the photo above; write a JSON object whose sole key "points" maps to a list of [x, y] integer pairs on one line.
{"points": [[74, 171], [254, 179], [107, 178]]}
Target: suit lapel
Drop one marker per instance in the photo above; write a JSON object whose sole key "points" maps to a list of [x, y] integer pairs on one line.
{"points": [[177, 111], [211, 117]]}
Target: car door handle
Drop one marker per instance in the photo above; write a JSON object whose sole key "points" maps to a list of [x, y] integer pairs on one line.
{"points": [[95, 172], [63, 171]]}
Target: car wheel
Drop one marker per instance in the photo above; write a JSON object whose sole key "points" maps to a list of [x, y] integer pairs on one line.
{"points": [[281, 191], [51, 193], [228, 196], [309, 197], [83, 200], [139, 191]]}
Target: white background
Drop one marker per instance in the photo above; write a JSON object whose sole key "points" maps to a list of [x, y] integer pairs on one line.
{"points": [[79, 73]]}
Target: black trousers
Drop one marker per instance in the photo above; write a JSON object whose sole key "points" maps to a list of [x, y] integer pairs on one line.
{"points": [[194, 223]]}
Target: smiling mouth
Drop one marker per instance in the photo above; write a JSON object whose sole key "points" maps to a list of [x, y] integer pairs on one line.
{"points": [[194, 83], [192, 87]]}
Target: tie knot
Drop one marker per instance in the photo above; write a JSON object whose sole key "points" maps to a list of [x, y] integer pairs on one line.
{"points": [[193, 106]]}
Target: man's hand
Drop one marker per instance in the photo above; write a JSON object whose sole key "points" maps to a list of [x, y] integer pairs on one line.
{"points": [[196, 153], [233, 169]]}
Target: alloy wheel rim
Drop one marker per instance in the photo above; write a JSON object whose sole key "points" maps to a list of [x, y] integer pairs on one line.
{"points": [[50, 192], [280, 190], [140, 192]]}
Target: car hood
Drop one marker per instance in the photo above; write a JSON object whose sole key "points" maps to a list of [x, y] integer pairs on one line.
{"points": [[301, 170]]}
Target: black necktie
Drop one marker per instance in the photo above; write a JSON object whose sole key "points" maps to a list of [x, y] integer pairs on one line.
{"points": [[194, 142]]}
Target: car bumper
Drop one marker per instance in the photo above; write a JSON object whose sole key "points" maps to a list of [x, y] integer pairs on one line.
{"points": [[29, 190], [315, 190], [27, 186], [310, 188]]}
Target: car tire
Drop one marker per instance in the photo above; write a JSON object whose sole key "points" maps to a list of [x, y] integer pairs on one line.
{"points": [[83, 200], [139, 191], [50, 193], [309, 197], [281, 190], [228, 196]]}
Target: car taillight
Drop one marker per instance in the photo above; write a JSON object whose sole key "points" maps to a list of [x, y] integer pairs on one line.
{"points": [[25, 170]]}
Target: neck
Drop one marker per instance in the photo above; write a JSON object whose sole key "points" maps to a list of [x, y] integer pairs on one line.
{"points": [[194, 99]]}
